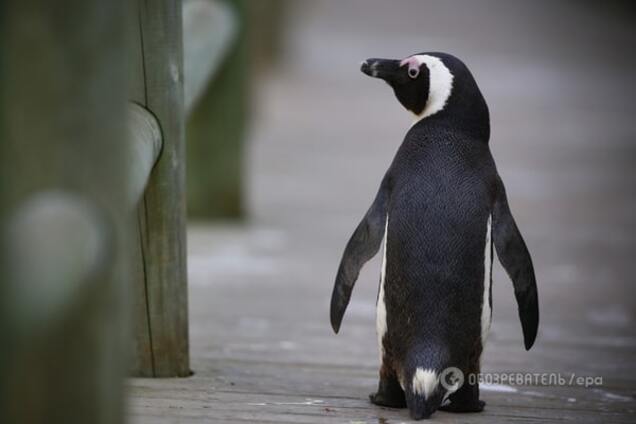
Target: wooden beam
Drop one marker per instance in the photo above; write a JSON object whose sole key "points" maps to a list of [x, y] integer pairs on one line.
{"points": [[63, 224], [144, 148], [162, 210]]}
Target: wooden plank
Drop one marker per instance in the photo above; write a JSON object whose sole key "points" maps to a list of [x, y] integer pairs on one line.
{"points": [[62, 90], [264, 352], [225, 405], [163, 230]]}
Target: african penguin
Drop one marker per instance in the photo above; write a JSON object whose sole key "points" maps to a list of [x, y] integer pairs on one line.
{"points": [[440, 208]]}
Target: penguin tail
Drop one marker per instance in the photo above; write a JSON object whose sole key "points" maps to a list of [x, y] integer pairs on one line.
{"points": [[423, 394], [425, 367]]}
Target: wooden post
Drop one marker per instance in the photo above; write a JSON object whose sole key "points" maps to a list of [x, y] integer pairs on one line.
{"points": [[62, 221], [209, 29], [216, 130], [160, 292]]}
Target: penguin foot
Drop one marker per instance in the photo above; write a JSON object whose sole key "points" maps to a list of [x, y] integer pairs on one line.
{"points": [[463, 407], [389, 392], [383, 399]]}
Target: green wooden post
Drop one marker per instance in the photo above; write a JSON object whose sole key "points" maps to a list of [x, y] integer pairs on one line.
{"points": [[62, 221], [216, 130], [160, 289], [5, 325]]}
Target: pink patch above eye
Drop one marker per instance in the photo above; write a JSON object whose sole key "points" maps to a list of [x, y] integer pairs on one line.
{"points": [[412, 62]]}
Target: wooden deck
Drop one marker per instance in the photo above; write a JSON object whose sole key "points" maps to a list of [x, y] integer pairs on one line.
{"points": [[563, 136]]}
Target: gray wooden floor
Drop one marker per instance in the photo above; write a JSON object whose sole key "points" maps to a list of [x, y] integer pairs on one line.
{"points": [[561, 92]]}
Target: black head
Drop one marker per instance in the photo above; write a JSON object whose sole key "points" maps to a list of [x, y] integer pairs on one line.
{"points": [[409, 82], [428, 83]]}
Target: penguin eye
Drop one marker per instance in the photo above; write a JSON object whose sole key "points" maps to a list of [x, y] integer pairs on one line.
{"points": [[414, 72]]}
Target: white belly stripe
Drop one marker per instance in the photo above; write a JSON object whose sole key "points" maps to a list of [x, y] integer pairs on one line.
{"points": [[486, 312], [381, 306]]}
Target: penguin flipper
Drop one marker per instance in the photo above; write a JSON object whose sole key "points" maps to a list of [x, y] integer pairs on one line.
{"points": [[362, 246], [515, 258]]}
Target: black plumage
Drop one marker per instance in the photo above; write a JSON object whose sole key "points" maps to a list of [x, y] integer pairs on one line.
{"points": [[438, 195]]}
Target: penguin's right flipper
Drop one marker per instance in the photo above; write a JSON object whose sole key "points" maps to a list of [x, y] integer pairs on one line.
{"points": [[514, 256], [363, 245]]}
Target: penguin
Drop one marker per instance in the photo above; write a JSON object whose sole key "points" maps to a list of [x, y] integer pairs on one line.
{"points": [[440, 208]]}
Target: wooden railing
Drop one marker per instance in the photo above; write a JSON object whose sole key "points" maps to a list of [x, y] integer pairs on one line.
{"points": [[92, 213]]}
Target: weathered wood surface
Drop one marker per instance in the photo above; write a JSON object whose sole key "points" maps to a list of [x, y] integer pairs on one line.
{"points": [[161, 340], [145, 147], [62, 227], [262, 347]]}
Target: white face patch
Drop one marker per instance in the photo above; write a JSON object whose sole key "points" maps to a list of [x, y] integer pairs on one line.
{"points": [[381, 306], [374, 69], [440, 83], [486, 313], [424, 382]]}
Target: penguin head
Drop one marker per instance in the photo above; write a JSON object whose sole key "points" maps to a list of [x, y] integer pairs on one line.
{"points": [[409, 78], [428, 83]]}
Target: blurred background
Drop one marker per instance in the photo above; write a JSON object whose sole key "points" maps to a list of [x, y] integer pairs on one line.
{"points": [[285, 143], [559, 81]]}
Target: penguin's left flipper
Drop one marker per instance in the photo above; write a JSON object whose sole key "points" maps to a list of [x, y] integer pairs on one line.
{"points": [[363, 245], [515, 258]]}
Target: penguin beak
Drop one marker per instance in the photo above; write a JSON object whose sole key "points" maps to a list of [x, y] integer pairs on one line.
{"points": [[386, 69]]}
